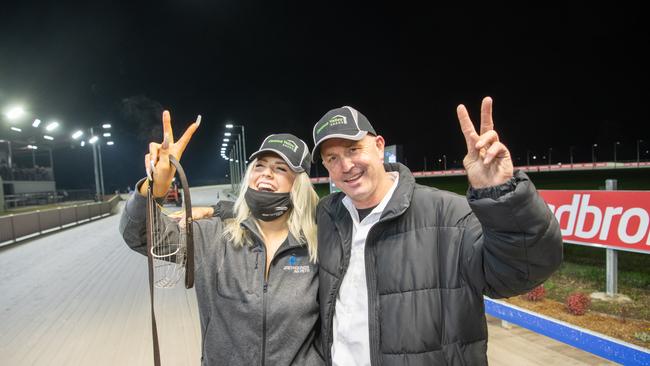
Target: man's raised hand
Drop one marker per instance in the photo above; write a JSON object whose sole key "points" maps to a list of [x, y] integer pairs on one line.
{"points": [[488, 162]]}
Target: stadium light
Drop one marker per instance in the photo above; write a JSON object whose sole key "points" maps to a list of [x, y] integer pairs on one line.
{"points": [[16, 129], [77, 134], [106, 125], [52, 126], [48, 137], [93, 139], [110, 143], [107, 134], [15, 112], [240, 144], [36, 123]]}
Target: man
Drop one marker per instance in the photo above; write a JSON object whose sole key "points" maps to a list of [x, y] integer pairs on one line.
{"points": [[404, 267]]}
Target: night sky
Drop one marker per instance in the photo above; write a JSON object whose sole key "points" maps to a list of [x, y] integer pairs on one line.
{"points": [[567, 76]]}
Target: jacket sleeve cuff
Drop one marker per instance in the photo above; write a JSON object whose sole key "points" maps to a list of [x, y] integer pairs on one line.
{"points": [[136, 206], [224, 210], [495, 192], [159, 200], [513, 206]]}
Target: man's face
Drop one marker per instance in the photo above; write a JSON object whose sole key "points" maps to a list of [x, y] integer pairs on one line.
{"points": [[356, 167]]}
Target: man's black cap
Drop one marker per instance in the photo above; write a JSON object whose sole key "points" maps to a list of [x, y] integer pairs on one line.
{"points": [[345, 123]]}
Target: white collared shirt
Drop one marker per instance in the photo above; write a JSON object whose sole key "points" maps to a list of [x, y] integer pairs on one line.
{"points": [[351, 336]]}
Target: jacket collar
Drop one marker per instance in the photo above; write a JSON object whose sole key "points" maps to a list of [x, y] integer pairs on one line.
{"points": [[399, 202], [251, 226]]}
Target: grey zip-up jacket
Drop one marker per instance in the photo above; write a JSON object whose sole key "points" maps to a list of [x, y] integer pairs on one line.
{"points": [[245, 320], [429, 261]]}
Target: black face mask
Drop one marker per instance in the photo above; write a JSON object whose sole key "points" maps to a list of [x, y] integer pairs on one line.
{"points": [[267, 206]]}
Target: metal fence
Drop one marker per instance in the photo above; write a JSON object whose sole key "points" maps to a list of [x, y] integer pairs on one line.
{"points": [[45, 198], [26, 225]]}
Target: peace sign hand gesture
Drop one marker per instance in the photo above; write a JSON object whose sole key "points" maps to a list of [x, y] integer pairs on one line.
{"points": [[158, 156], [488, 161]]}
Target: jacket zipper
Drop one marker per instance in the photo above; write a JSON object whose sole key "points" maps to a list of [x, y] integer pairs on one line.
{"points": [[264, 295], [266, 285], [330, 316], [257, 250]]}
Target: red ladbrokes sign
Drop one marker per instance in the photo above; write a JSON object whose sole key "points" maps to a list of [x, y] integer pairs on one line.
{"points": [[612, 219]]}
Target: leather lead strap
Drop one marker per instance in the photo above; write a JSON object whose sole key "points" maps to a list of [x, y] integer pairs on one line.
{"points": [[189, 260], [151, 203]]}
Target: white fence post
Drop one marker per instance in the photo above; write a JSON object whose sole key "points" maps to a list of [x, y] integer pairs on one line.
{"points": [[612, 254]]}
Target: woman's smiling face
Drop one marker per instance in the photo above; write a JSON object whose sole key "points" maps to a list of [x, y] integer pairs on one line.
{"points": [[271, 174]]}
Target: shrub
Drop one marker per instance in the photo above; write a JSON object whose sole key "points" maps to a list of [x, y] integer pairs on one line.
{"points": [[577, 303], [536, 294], [642, 336]]}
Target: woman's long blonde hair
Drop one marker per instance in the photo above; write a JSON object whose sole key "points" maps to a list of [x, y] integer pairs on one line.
{"points": [[302, 222]]}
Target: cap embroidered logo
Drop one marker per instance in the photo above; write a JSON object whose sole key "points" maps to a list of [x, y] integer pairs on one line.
{"points": [[335, 120], [289, 144]]}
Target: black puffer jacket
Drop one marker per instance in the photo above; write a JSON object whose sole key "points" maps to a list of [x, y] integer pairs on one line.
{"points": [[429, 261]]}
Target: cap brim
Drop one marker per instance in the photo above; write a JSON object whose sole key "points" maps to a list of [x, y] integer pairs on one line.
{"points": [[297, 169], [354, 137]]}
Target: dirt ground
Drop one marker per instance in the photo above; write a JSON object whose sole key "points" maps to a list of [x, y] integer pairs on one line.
{"points": [[615, 327]]}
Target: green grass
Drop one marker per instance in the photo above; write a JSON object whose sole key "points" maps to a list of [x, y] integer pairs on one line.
{"points": [[573, 277], [322, 189], [637, 264], [584, 270]]}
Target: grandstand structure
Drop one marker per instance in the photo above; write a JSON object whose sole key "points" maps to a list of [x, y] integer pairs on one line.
{"points": [[26, 174]]}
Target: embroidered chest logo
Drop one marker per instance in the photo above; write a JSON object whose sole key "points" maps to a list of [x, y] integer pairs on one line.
{"points": [[292, 267]]}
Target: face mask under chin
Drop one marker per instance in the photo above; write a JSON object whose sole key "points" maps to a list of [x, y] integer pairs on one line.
{"points": [[267, 206]]}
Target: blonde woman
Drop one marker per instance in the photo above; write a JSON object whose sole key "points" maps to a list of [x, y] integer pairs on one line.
{"points": [[256, 276]]}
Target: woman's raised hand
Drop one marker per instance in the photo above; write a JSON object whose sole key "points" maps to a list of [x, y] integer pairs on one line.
{"points": [[157, 160]]}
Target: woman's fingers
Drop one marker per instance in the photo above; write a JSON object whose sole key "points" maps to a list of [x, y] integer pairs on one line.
{"points": [[154, 150], [163, 158], [147, 165], [181, 144], [199, 213], [167, 126]]}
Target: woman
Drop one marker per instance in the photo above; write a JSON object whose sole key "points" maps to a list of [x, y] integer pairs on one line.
{"points": [[256, 277]]}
